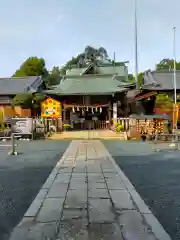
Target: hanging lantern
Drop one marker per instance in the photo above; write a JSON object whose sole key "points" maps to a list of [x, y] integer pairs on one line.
{"points": [[100, 110]]}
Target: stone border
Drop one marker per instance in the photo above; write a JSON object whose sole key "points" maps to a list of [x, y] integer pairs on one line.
{"points": [[150, 219]]}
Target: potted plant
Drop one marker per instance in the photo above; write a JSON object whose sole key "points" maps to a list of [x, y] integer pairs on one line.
{"points": [[67, 127], [119, 127]]}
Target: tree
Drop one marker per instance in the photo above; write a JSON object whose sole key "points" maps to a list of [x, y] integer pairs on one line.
{"points": [[23, 100], [164, 102], [90, 54], [33, 66], [132, 79], [167, 64], [140, 79], [28, 100], [54, 76]]}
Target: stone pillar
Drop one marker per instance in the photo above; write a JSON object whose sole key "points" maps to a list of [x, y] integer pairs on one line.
{"points": [[109, 114]]}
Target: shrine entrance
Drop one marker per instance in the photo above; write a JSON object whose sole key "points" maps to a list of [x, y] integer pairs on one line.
{"points": [[87, 117]]}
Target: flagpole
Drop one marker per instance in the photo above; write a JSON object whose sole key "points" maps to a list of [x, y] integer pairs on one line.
{"points": [[136, 44], [175, 83]]}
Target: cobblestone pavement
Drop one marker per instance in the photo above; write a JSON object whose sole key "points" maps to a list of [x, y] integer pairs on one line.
{"points": [[22, 176], [87, 197], [156, 177]]}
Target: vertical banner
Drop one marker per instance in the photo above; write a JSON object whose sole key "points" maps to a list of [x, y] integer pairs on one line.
{"points": [[175, 115], [114, 113]]}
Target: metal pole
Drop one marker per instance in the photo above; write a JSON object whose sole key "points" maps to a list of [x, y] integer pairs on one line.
{"points": [[174, 70], [175, 87], [136, 44]]}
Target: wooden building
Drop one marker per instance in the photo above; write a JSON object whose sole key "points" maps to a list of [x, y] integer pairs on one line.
{"points": [[94, 91], [10, 87], [156, 82]]}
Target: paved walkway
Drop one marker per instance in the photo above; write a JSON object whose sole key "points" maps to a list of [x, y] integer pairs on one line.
{"points": [[88, 197], [91, 134]]}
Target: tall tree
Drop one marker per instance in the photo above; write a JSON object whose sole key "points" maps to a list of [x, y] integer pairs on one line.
{"points": [[90, 54], [54, 76], [33, 66], [167, 64]]}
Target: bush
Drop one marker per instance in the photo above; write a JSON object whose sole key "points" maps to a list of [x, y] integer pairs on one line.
{"points": [[67, 126], [119, 127]]}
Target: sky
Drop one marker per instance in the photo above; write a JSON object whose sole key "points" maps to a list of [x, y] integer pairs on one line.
{"points": [[59, 29]]}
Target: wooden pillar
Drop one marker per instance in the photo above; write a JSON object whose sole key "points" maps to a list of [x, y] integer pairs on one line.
{"points": [[64, 115], [109, 114]]}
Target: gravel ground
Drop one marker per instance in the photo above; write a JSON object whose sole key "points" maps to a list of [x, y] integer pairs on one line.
{"points": [[22, 176], [156, 176]]}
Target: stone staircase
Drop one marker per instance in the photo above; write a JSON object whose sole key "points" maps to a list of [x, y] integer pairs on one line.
{"points": [[92, 134]]}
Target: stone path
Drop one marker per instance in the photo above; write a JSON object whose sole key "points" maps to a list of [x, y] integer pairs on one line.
{"points": [[87, 197]]}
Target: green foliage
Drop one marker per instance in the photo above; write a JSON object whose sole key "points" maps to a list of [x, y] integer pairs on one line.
{"points": [[131, 78], [37, 98], [119, 127], [23, 99], [54, 76], [90, 54], [67, 126], [33, 66], [140, 79], [28, 100], [164, 102], [167, 64]]}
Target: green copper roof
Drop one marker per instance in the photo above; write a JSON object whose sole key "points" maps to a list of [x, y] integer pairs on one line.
{"points": [[90, 85]]}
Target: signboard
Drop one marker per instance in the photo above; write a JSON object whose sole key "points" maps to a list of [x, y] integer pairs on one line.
{"points": [[50, 108], [1, 118], [22, 126]]}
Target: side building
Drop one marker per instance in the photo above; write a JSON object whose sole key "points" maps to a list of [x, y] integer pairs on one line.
{"points": [[10, 87], [154, 83]]}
